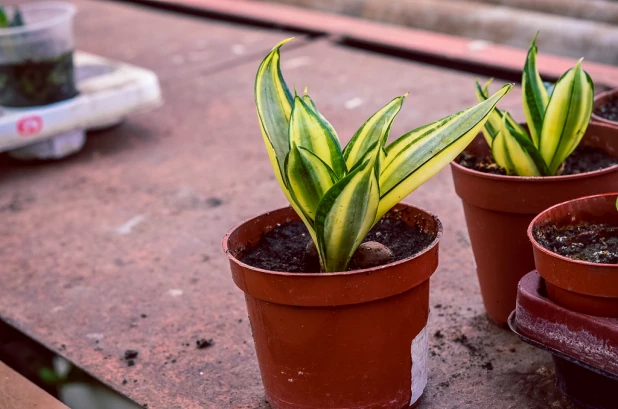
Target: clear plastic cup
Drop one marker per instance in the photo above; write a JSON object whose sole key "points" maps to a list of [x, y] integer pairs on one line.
{"points": [[36, 60]]}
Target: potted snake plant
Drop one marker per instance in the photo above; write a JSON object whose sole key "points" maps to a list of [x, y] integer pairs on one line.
{"points": [[513, 171], [337, 285]]}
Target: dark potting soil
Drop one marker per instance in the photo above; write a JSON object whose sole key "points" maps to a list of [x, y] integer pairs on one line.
{"points": [[483, 164], [36, 83], [608, 111], [284, 248], [595, 243], [583, 159]]}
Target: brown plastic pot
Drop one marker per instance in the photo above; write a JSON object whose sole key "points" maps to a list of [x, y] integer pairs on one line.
{"points": [[584, 347], [601, 100], [589, 288], [353, 339], [499, 208]]}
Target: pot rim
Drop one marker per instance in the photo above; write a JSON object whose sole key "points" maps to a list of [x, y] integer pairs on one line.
{"points": [[539, 247], [68, 9], [538, 179], [428, 248], [605, 94]]}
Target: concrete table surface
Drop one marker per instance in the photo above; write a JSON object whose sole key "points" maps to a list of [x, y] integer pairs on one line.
{"points": [[118, 247]]}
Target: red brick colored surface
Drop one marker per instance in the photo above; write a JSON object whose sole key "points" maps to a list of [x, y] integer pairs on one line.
{"points": [[457, 50], [119, 247]]}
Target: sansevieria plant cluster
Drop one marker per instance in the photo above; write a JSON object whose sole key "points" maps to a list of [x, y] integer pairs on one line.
{"points": [[557, 116], [6, 21], [341, 193]]}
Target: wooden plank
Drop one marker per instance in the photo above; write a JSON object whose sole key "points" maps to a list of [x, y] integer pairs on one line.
{"points": [[16, 392], [456, 49]]}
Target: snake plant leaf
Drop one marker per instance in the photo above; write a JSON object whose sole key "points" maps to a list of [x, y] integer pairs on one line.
{"points": [[567, 116], [309, 178], [4, 19], [534, 94], [307, 130], [312, 105], [376, 128], [492, 126], [499, 151], [428, 154], [494, 123], [346, 214], [18, 19], [516, 153], [274, 107]]}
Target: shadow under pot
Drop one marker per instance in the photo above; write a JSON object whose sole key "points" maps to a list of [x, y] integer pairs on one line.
{"points": [[499, 208], [355, 339], [605, 109], [576, 252]]}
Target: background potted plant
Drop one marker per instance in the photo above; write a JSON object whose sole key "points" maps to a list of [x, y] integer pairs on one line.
{"points": [[576, 252], [606, 108], [351, 330], [36, 54], [512, 172]]}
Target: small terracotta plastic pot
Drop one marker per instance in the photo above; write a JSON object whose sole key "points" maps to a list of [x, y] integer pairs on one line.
{"points": [[589, 288], [353, 339], [499, 208], [584, 347], [601, 100]]}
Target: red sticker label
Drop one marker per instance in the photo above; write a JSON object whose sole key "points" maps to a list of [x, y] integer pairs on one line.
{"points": [[30, 125]]}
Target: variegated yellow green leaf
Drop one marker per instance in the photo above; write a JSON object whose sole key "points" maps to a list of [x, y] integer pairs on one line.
{"points": [[375, 129], [408, 141], [309, 178], [567, 116], [414, 165], [274, 107], [4, 19], [492, 126], [345, 215], [312, 105], [499, 151], [534, 94], [309, 131], [523, 159], [494, 123]]}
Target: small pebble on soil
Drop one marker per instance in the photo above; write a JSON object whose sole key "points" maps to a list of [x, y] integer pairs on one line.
{"points": [[204, 343]]}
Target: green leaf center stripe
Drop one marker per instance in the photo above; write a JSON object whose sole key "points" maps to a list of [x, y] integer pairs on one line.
{"points": [[309, 131], [376, 128], [307, 99], [309, 179], [345, 215], [425, 147], [577, 116], [274, 104], [534, 94]]}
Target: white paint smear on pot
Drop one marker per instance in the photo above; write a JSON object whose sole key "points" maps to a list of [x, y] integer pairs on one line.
{"points": [[419, 351]]}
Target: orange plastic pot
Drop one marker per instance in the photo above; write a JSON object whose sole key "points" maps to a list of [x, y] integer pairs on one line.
{"points": [[589, 288], [354, 339], [499, 209], [601, 100]]}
